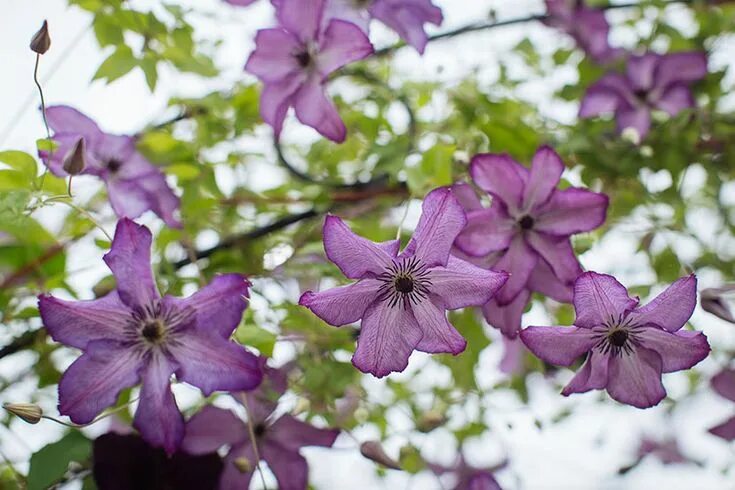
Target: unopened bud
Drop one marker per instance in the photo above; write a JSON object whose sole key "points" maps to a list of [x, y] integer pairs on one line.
{"points": [[74, 161], [243, 465], [430, 420], [27, 411], [712, 302], [373, 451], [41, 41]]}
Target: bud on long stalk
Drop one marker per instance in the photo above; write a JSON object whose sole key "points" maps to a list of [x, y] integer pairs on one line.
{"points": [[27, 411], [74, 161], [41, 40], [373, 451]]}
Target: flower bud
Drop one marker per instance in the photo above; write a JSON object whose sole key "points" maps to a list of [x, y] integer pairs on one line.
{"points": [[430, 420], [243, 465], [41, 41], [74, 161], [27, 411], [373, 451], [712, 302]]}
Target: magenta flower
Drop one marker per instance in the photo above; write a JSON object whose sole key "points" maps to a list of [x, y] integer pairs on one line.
{"points": [[402, 297], [628, 347], [724, 384], [651, 82], [526, 230], [133, 335], [586, 25], [134, 185], [278, 439], [294, 60]]}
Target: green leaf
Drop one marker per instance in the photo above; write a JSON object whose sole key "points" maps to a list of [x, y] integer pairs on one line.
{"points": [[20, 161], [149, 65], [117, 65], [50, 463], [254, 336], [108, 31]]}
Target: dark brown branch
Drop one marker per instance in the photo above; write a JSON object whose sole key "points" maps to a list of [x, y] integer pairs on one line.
{"points": [[22, 342]]}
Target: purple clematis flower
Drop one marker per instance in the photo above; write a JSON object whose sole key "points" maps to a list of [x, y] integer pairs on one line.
{"points": [[651, 82], [588, 26], [278, 439], [134, 185], [294, 60], [402, 297], [628, 347], [468, 477], [724, 384], [526, 230], [240, 3], [133, 334]]}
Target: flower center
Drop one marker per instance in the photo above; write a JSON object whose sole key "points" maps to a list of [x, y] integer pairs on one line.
{"points": [[404, 282], [617, 336], [153, 330], [259, 429], [526, 222], [642, 95], [156, 325], [113, 165]]}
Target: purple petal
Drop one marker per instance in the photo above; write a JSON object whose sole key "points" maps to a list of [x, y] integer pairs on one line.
{"points": [[678, 350], [240, 3], [488, 230], [467, 197], [519, 261], [599, 298], [513, 353], [442, 218], [118, 147], [93, 382], [301, 17], [461, 284], [293, 434], [157, 418], [77, 323], [355, 256], [558, 253], [210, 429], [636, 118], [273, 58], [483, 480], [724, 384], [342, 305], [501, 176], [348, 11], [608, 94], [546, 170], [289, 467], [641, 70], [316, 110], [276, 98], [439, 335], [132, 197], [543, 280], [571, 211], [212, 363], [676, 98], [407, 18], [507, 318], [681, 67], [635, 379], [342, 43], [671, 309], [387, 338], [129, 259], [232, 478], [65, 119], [592, 376], [725, 431], [558, 345]]}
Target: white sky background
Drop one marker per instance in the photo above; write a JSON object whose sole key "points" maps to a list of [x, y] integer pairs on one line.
{"points": [[583, 452]]}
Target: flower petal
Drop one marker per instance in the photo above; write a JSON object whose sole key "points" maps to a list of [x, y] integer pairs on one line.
{"points": [[543, 280], [65, 119], [289, 467], [641, 70], [232, 477], [211, 428], [316, 110], [129, 259], [501, 176], [558, 253], [407, 18], [442, 219], [571, 211], [546, 170], [466, 196], [725, 431], [671, 309], [212, 363], [301, 17], [276, 98], [387, 338], [599, 100], [93, 382], [598, 298], [157, 418], [558, 345], [488, 230], [636, 118], [635, 379], [342, 305], [513, 355], [678, 350], [676, 98], [461, 284], [440, 336], [77, 323], [343, 42], [724, 384], [293, 434], [355, 256], [273, 58], [507, 318], [130, 198], [519, 260], [681, 67], [592, 376]]}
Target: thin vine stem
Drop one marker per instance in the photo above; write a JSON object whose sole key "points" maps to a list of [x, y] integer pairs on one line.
{"points": [[251, 433]]}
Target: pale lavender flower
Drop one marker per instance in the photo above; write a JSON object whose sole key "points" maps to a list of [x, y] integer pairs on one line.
{"points": [[724, 384], [467, 477]]}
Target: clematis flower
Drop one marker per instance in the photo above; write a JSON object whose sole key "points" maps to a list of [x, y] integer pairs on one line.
{"points": [[468, 477], [724, 384], [294, 60], [240, 3], [526, 231], [124, 462], [133, 334], [134, 185], [588, 26], [651, 82], [278, 439], [402, 297], [628, 347]]}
